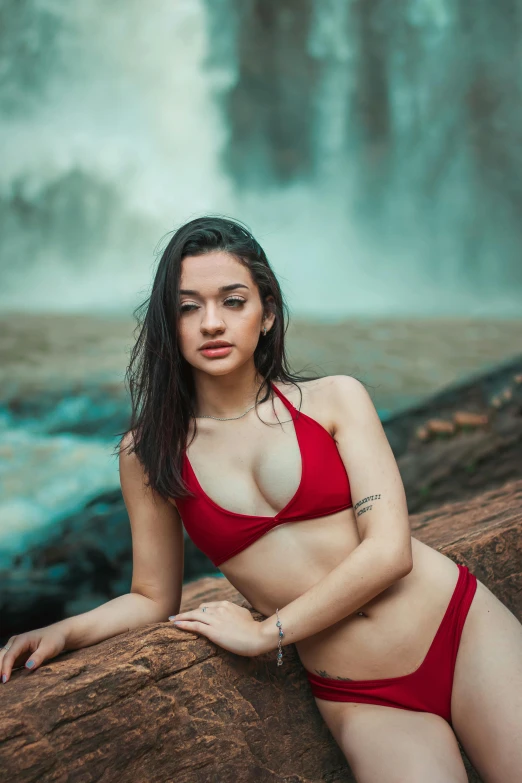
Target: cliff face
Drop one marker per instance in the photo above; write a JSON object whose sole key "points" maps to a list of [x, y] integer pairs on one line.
{"points": [[158, 705]]}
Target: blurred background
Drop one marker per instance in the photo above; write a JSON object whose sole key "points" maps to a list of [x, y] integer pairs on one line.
{"points": [[374, 148]]}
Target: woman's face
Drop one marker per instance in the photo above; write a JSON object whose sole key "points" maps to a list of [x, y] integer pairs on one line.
{"points": [[219, 301]]}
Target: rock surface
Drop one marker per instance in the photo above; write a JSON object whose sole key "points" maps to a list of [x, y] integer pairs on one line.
{"points": [[158, 705], [463, 440]]}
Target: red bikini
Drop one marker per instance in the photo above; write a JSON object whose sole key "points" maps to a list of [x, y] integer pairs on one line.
{"points": [[324, 489], [429, 687]]}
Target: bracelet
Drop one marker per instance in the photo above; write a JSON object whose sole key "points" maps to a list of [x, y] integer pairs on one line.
{"points": [[281, 634]]}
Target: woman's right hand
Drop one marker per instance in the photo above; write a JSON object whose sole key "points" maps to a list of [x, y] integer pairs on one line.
{"points": [[36, 646]]}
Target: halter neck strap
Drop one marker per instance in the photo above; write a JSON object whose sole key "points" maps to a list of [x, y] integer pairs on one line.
{"points": [[290, 407]]}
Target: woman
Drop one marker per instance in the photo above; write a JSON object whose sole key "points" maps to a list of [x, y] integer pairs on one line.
{"points": [[290, 486]]}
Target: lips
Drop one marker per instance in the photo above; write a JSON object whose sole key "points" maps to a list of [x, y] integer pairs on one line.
{"points": [[216, 349], [215, 344]]}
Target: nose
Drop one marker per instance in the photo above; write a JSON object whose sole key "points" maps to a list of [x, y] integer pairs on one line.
{"points": [[211, 321]]}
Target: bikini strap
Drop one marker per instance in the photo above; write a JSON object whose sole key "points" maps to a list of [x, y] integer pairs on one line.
{"points": [[290, 406]]}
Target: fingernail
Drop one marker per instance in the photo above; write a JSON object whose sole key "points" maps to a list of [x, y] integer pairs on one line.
{"points": [[29, 664], [173, 617], [4, 677]]}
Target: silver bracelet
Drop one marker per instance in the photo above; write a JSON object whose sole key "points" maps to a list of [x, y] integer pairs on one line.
{"points": [[279, 646]]}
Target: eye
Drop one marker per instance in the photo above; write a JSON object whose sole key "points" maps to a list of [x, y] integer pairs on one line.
{"points": [[231, 301]]}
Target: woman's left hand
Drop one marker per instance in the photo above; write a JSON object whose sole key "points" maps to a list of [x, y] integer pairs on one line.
{"points": [[224, 623]]}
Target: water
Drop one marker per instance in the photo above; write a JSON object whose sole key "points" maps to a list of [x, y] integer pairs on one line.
{"points": [[44, 478], [117, 141], [373, 150]]}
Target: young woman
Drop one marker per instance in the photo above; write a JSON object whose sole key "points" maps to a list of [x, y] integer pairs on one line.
{"points": [[290, 486]]}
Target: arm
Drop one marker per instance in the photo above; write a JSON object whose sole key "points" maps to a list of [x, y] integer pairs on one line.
{"points": [[157, 553], [384, 554], [157, 564]]}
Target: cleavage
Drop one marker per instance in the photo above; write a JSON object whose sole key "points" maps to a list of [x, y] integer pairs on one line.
{"points": [[254, 470]]}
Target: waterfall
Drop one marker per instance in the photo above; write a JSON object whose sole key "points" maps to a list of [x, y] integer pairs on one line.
{"points": [[109, 138], [373, 148]]}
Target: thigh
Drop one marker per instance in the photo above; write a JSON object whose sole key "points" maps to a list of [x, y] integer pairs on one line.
{"points": [[391, 745], [486, 702]]}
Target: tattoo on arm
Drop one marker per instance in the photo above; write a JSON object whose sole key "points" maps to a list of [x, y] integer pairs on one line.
{"points": [[365, 500]]}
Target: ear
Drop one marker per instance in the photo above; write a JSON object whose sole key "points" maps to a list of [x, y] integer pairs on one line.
{"points": [[269, 315]]}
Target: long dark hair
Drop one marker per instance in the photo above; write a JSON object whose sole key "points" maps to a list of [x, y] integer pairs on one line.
{"points": [[159, 378]]}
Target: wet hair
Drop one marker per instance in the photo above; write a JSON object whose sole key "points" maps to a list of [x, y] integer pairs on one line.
{"points": [[158, 377]]}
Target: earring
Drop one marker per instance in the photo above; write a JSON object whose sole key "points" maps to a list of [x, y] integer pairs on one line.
{"points": [[264, 331]]}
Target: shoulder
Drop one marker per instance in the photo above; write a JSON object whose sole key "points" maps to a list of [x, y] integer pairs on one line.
{"points": [[354, 415], [350, 400], [127, 441], [332, 400], [134, 479], [346, 388], [127, 455], [330, 389], [129, 463], [304, 393], [131, 468]]}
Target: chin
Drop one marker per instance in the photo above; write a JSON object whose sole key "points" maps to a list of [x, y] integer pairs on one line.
{"points": [[217, 366]]}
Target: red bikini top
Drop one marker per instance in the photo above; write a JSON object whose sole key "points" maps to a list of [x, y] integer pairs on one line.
{"points": [[324, 489]]}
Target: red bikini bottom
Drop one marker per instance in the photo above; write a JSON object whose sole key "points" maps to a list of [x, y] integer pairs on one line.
{"points": [[428, 688]]}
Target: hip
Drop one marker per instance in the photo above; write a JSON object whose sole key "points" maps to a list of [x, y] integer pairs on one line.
{"points": [[391, 634]]}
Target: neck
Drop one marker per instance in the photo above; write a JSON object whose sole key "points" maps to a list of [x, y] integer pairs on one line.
{"points": [[225, 396]]}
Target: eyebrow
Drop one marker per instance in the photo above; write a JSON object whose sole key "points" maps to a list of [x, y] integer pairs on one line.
{"points": [[221, 289]]}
